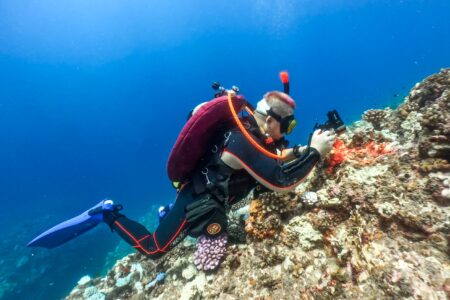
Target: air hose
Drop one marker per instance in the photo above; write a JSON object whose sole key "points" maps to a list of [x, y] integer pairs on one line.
{"points": [[248, 136]]}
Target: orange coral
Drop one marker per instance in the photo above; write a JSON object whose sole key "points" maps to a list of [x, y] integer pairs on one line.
{"points": [[260, 224], [364, 155]]}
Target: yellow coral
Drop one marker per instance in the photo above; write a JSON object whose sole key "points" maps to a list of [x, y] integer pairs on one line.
{"points": [[265, 214]]}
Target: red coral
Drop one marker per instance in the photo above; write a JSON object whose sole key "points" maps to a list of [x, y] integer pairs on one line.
{"points": [[363, 155], [374, 150], [337, 157]]}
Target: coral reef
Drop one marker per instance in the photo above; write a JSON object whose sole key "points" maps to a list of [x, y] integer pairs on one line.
{"points": [[309, 198], [238, 214], [373, 222], [267, 213], [210, 251], [363, 154], [376, 116]]}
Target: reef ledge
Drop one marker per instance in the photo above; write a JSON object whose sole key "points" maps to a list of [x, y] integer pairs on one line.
{"points": [[372, 223]]}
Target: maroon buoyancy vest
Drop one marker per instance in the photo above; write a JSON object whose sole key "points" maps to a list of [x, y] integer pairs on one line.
{"points": [[196, 136]]}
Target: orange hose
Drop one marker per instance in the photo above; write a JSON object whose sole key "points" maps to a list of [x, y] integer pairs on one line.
{"points": [[248, 136]]}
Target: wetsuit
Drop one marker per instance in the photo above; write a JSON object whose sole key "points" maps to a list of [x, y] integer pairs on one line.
{"points": [[202, 202]]}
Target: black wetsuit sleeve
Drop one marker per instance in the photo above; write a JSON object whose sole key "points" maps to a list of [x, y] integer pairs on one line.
{"points": [[270, 172]]}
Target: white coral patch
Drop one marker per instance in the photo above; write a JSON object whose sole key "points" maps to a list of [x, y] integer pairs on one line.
{"points": [[308, 236], [85, 279], [189, 272], [367, 175]]}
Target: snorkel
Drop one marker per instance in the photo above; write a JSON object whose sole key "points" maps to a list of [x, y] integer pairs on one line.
{"points": [[284, 77]]}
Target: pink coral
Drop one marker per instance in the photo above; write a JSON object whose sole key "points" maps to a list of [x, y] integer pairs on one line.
{"points": [[210, 251]]}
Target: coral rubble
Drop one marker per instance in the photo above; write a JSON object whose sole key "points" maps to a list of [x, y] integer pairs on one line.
{"points": [[373, 222]]}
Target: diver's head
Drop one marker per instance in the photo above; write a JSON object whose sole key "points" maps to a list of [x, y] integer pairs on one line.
{"points": [[275, 114]]}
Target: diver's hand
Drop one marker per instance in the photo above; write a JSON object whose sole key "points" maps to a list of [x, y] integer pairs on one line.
{"points": [[323, 141], [299, 150]]}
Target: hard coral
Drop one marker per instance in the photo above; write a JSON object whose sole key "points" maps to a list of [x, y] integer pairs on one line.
{"points": [[430, 89], [210, 251], [376, 117], [260, 226], [434, 165], [266, 214]]}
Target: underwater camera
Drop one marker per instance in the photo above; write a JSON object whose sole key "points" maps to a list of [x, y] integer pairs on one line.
{"points": [[334, 122], [221, 91]]}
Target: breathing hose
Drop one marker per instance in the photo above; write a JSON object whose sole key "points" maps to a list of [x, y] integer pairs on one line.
{"points": [[248, 136]]}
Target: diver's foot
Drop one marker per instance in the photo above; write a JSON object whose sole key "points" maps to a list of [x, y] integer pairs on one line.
{"points": [[164, 210], [106, 211], [105, 205]]}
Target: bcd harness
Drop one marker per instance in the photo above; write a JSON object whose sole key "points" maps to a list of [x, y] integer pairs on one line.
{"points": [[217, 185]]}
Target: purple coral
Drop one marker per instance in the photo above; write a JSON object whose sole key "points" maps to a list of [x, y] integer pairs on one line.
{"points": [[210, 251]]}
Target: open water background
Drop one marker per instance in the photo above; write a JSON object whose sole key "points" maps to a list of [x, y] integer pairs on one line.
{"points": [[94, 93]]}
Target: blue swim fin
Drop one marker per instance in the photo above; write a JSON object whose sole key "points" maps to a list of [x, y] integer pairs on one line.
{"points": [[72, 228]]}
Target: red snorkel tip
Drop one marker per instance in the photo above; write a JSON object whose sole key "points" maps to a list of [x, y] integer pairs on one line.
{"points": [[284, 76]]}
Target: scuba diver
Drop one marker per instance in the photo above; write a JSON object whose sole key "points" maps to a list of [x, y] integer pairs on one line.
{"points": [[217, 160]]}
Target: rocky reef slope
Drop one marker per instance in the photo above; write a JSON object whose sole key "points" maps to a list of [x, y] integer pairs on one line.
{"points": [[373, 222]]}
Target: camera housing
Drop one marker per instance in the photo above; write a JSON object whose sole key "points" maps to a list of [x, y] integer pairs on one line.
{"points": [[334, 122]]}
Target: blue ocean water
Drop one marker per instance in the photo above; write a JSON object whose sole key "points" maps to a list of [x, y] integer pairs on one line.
{"points": [[94, 93]]}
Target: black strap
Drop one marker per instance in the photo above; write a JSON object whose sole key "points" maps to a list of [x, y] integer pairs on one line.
{"points": [[204, 212], [199, 186], [202, 207]]}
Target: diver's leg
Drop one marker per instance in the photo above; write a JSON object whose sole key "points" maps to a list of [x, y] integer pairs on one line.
{"points": [[170, 231], [133, 233], [173, 228]]}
